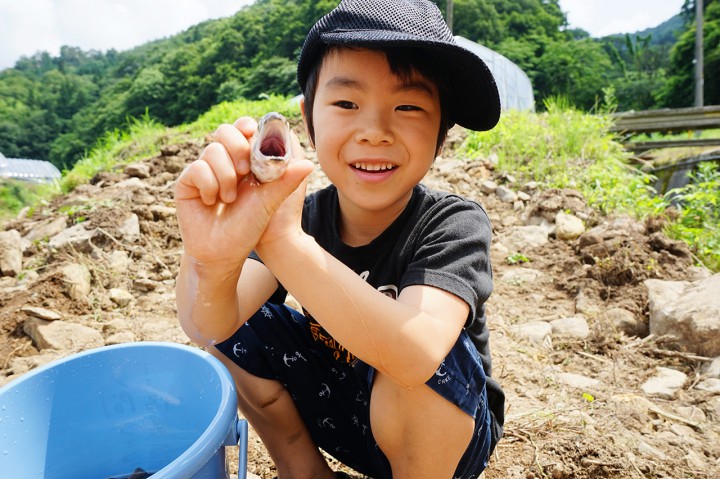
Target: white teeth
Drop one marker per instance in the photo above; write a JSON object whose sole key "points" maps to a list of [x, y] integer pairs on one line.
{"points": [[374, 166]]}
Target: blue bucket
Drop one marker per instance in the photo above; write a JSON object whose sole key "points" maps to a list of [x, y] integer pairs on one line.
{"points": [[163, 408]]}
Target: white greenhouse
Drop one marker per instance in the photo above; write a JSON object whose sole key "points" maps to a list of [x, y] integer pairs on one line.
{"points": [[516, 91], [36, 171]]}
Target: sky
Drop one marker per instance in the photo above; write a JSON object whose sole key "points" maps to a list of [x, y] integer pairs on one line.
{"points": [[28, 26], [605, 17]]}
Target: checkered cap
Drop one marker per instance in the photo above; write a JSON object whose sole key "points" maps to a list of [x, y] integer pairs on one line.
{"points": [[475, 102]]}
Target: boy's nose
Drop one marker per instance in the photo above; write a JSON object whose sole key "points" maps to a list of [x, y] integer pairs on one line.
{"points": [[375, 129]]}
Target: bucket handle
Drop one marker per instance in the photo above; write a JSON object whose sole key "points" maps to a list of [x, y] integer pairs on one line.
{"points": [[241, 429]]}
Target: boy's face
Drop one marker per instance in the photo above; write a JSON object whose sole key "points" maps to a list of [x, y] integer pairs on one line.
{"points": [[375, 134]]}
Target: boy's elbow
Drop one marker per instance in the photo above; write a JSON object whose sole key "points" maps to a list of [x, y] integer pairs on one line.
{"points": [[205, 337], [413, 375]]}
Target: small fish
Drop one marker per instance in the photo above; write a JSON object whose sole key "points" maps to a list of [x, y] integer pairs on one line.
{"points": [[271, 148]]}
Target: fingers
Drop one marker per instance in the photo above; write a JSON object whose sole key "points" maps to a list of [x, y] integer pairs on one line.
{"points": [[216, 173], [210, 177], [224, 169], [197, 180], [236, 140]]}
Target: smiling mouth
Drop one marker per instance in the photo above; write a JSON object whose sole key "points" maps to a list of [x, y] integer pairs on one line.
{"points": [[374, 167]]}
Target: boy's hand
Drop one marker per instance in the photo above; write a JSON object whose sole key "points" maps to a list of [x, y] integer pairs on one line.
{"points": [[222, 211]]}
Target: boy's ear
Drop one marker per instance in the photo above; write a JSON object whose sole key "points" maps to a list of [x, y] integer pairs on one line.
{"points": [[305, 122]]}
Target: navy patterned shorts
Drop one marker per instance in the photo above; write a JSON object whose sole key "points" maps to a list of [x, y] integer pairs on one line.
{"points": [[331, 388]]}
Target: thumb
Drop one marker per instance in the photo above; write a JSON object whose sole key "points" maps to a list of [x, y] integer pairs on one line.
{"points": [[298, 168]]}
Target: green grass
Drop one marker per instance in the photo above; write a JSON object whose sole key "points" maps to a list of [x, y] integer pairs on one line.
{"points": [[566, 148], [560, 148], [16, 194], [699, 221], [142, 138], [228, 112]]}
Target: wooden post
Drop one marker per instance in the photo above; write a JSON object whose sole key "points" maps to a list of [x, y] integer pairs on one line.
{"points": [[449, 14], [699, 60]]}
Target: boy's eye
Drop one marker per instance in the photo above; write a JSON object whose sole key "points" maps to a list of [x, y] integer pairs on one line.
{"points": [[346, 105], [408, 108]]}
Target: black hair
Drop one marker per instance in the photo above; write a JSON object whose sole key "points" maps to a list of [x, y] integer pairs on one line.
{"points": [[404, 62]]}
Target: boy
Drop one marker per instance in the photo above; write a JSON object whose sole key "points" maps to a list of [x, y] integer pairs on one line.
{"points": [[387, 367]]}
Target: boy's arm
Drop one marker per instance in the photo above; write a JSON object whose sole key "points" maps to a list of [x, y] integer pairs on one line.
{"points": [[405, 339], [222, 213], [213, 301]]}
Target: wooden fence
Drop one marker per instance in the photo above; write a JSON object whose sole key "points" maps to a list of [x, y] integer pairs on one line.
{"points": [[629, 124]]}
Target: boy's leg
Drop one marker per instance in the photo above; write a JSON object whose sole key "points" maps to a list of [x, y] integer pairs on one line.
{"points": [[270, 410], [422, 434]]}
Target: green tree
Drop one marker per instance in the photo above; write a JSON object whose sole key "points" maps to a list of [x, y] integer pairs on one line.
{"points": [[578, 70], [275, 75], [680, 89]]}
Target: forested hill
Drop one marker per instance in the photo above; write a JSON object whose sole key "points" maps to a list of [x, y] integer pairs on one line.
{"points": [[55, 108]]}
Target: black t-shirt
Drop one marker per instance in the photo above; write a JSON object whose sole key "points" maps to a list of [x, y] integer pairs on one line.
{"points": [[440, 240]]}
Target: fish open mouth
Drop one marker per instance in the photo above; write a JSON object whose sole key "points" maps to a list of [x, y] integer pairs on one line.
{"points": [[273, 144], [270, 152]]}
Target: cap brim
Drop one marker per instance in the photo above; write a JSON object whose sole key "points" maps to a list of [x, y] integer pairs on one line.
{"points": [[475, 103]]}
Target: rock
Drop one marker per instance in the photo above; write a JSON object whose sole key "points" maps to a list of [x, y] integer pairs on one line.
{"points": [[695, 460], [141, 197], [520, 275], [710, 385], [665, 383], [578, 381], [21, 365], [129, 230], [119, 262], [138, 170], [696, 273], [161, 212], [144, 284], [575, 326], [625, 321], [692, 413], [622, 227], [662, 293], [11, 252], [682, 431], [76, 237], [76, 279], [506, 195], [47, 229], [120, 338], [649, 450], [549, 202], [41, 313], [568, 227], [120, 297], [713, 405], [713, 369], [62, 335], [524, 238], [658, 241], [488, 187], [584, 304], [537, 332], [523, 196], [531, 186], [130, 184], [115, 325], [688, 311]]}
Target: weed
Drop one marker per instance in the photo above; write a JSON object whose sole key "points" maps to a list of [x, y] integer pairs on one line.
{"points": [[517, 258]]}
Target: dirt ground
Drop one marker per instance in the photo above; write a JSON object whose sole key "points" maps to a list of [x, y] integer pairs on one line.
{"points": [[607, 430]]}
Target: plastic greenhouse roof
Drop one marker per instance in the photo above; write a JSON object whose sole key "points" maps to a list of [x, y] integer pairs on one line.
{"points": [[514, 86], [28, 170]]}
